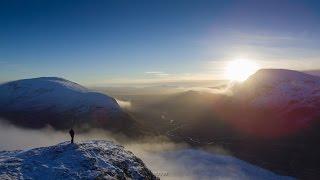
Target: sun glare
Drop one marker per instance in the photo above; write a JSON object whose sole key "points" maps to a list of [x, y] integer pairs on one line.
{"points": [[240, 69]]}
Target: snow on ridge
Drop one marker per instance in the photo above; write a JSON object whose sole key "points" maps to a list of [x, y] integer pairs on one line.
{"points": [[49, 81], [279, 88], [83, 160], [278, 75], [48, 92]]}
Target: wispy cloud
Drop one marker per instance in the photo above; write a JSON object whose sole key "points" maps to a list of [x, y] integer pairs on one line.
{"points": [[153, 72], [157, 73], [265, 37], [171, 78], [124, 104]]}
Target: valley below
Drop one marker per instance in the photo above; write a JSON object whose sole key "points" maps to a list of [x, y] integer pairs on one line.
{"points": [[282, 139]]}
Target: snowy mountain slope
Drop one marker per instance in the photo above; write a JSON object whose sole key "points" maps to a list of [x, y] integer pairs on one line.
{"points": [[60, 103], [85, 160], [277, 102], [279, 88], [51, 92]]}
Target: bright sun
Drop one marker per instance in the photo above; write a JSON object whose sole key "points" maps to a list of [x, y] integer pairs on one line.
{"points": [[240, 69]]}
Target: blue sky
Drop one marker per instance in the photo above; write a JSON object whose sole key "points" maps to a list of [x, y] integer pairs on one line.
{"points": [[118, 41]]}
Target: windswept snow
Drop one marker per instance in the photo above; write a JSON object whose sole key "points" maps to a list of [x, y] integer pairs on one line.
{"points": [[85, 160]]}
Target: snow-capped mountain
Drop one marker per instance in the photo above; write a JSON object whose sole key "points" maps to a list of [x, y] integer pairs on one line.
{"points": [[58, 102], [52, 92], [278, 101], [85, 160], [279, 88]]}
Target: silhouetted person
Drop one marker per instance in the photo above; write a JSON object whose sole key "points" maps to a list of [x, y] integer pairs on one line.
{"points": [[71, 132]]}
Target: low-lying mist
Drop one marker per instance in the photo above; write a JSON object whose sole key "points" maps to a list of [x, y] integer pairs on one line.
{"points": [[166, 159], [12, 137]]}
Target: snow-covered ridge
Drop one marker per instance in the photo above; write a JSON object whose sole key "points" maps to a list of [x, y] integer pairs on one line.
{"points": [[280, 102], [59, 103], [84, 160], [279, 88], [50, 81], [51, 92], [268, 76]]}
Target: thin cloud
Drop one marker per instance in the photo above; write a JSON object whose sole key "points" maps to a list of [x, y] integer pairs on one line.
{"points": [[124, 104], [154, 72], [157, 73]]}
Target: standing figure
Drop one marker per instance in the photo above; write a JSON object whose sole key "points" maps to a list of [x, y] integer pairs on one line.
{"points": [[71, 132]]}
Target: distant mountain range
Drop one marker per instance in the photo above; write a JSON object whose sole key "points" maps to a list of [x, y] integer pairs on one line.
{"points": [[60, 103]]}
